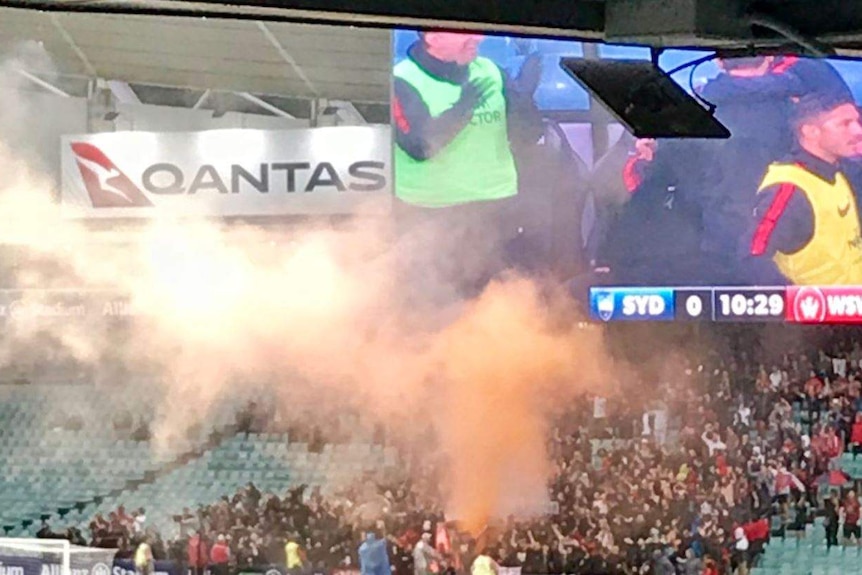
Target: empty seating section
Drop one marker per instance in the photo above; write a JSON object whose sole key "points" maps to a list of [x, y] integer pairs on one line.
{"points": [[268, 460], [852, 467], [58, 447], [48, 467], [809, 556]]}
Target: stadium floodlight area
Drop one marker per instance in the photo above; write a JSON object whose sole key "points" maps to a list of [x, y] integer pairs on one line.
{"points": [[52, 557]]}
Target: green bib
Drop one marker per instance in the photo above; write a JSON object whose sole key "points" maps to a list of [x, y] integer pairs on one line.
{"points": [[478, 164]]}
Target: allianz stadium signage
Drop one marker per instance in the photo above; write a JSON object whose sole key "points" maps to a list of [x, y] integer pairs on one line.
{"points": [[11, 565], [46, 305], [227, 173]]}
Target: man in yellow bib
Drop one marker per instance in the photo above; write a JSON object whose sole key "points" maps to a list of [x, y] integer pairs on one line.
{"points": [[806, 215], [293, 555], [484, 565], [144, 559]]}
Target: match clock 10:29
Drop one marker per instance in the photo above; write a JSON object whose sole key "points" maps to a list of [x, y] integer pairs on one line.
{"points": [[749, 304]]}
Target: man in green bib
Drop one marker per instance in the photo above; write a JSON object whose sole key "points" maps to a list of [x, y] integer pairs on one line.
{"points": [[455, 115]]}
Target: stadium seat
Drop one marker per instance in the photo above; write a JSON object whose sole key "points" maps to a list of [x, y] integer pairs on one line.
{"points": [[46, 468]]}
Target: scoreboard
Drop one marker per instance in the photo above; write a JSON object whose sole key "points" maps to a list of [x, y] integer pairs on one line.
{"points": [[794, 304]]}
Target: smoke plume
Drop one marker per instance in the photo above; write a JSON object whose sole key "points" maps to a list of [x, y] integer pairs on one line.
{"points": [[361, 315]]}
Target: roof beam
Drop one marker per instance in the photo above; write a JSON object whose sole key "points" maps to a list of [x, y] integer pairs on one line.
{"points": [[265, 105], [44, 84], [123, 92], [348, 112], [297, 69], [88, 66], [201, 100]]}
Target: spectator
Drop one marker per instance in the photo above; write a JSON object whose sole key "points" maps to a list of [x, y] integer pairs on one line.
{"points": [[144, 562], [712, 441], [663, 565], [373, 556], [138, 520], [484, 565], [220, 556], [197, 554], [831, 520], [850, 514], [856, 435], [691, 564], [142, 431], [710, 567], [741, 547], [424, 556], [293, 553]]}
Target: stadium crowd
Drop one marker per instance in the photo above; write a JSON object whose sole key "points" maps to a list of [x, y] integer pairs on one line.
{"points": [[726, 454]]}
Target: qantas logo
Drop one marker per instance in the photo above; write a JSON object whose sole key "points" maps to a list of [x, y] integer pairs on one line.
{"points": [[843, 211], [107, 186]]}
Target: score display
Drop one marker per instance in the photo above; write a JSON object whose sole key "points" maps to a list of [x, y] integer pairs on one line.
{"points": [[806, 304], [740, 304]]}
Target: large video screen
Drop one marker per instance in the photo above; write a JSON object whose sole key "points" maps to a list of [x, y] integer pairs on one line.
{"points": [[492, 127]]}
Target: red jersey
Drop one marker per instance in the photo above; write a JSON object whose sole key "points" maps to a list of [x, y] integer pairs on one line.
{"points": [[197, 552], [851, 512], [220, 554], [721, 465], [813, 387]]}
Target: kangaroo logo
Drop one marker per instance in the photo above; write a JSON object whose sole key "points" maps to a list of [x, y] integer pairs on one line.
{"points": [[107, 186]]}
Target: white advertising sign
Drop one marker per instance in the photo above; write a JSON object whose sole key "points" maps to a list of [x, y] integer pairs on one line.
{"points": [[227, 173]]}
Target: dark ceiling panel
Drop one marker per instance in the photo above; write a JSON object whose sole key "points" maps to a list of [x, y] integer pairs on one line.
{"points": [[712, 23], [584, 18]]}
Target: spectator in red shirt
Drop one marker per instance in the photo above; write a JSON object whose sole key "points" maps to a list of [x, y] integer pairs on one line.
{"points": [[710, 567], [813, 389], [198, 553], [721, 464], [832, 445], [856, 435], [220, 556], [850, 510]]}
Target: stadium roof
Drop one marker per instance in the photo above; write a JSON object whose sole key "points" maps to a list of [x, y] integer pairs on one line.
{"points": [[689, 23], [264, 55], [298, 61]]}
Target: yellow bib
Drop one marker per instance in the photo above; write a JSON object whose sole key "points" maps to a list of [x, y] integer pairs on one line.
{"points": [[291, 551], [833, 256], [141, 553], [482, 566]]}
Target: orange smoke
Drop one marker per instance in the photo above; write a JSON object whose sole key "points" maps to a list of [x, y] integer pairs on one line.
{"points": [[325, 319], [502, 361]]}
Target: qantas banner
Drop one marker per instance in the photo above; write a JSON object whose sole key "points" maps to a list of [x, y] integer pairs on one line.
{"points": [[227, 173]]}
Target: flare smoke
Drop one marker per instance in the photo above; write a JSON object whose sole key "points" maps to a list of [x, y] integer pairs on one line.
{"points": [[361, 314]]}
